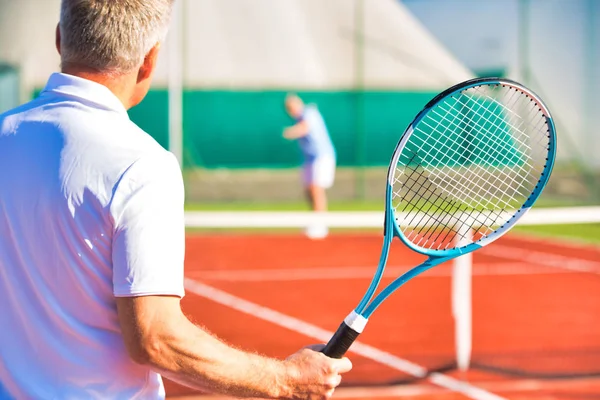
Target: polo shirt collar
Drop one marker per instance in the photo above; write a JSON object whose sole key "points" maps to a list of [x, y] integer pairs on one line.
{"points": [[84, 89]]}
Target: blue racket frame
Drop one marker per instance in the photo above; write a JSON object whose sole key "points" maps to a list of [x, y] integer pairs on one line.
{"points": [[357, 319]]}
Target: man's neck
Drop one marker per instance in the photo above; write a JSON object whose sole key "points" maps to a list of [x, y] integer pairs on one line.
{"points": [[120, 85]]}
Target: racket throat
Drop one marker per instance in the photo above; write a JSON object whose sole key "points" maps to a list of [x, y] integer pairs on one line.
{"points": [[385, 251], [401, 280]]}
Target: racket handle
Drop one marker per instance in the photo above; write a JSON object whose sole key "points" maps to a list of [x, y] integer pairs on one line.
{"points": [[340, 342]]}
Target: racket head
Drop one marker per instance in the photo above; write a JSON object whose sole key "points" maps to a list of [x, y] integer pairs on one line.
{"points": [[471, 163]]}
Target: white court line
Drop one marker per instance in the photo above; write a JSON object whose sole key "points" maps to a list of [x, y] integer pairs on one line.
{"points": [[323, 335], [541, 258], [339, 273]]}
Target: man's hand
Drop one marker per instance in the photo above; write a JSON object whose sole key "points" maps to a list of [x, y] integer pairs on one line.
{"points": [[288, 133], [313, 375], [296, 131]]}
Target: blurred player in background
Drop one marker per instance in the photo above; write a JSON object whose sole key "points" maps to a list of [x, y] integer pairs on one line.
{"points": [[318, 171], [92, 236]]}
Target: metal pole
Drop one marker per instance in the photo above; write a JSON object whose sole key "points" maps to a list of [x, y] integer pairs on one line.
{"points": [[523, 45], [590, 86], [359, 22], [175, 83]]}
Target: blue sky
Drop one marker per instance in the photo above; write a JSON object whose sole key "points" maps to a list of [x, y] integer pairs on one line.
{"points": [[485, 33]]}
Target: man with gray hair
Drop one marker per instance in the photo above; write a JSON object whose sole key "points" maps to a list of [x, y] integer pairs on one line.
{"points": [[92, 236]]}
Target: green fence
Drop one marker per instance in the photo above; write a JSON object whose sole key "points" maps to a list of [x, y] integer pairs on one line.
{"points": [[242, 129]]}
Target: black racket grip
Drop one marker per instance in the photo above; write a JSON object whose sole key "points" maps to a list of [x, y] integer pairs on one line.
{"points": [[340, 342]]}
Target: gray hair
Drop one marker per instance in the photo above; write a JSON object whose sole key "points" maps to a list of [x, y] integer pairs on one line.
{"points": [[111, 36]]}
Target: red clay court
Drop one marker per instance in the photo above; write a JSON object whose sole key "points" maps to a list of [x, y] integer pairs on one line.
{"points": [[536, 303]]}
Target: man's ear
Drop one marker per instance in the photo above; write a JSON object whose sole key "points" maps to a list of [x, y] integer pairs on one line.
{"points": [[149, 64], [57, 38]]}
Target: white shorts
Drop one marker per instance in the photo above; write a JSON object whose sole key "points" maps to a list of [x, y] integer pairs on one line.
{"points": [[319, 172]]}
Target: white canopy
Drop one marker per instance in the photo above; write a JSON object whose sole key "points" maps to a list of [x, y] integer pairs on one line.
{"points": [[265, 44]]}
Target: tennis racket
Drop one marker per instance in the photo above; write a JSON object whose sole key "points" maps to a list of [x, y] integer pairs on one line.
{"points": [[470, 164]]}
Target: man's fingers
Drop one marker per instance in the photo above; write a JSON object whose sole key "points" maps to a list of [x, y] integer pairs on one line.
{"points": [[343, 365], [335, 380]]}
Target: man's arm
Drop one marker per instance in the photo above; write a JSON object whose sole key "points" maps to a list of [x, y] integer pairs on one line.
{"points": [[157, 334], [148, 253], [296, 131]]}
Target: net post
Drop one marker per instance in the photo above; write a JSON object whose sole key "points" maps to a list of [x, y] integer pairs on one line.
{"points": [[462, 301]]}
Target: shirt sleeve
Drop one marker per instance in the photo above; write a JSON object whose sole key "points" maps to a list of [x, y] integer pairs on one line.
{"points": [[149, 229]]}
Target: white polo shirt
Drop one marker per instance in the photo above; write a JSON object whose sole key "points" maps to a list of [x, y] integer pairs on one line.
{"points": [[91, 207]]}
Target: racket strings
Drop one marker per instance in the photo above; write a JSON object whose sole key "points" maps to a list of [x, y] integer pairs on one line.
{"points": [[518, 136], [494, 141], [426, 232], [469, 185], [453, 142], [503, 178], [470, 163], [437, 227], [488, 119], [465, 185], [464, 181]]}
